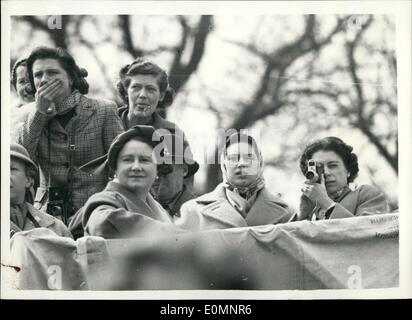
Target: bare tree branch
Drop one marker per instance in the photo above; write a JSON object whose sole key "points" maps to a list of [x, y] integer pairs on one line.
{"points": [[58, 36], [179, 72], [363, 120], [124, 25]]}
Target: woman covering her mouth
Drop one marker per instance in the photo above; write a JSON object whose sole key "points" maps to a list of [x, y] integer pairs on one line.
{"points": [[242, 199], [327, 195]]}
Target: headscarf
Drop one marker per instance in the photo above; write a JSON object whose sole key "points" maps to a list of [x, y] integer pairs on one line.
{"points": [[243, 197]]}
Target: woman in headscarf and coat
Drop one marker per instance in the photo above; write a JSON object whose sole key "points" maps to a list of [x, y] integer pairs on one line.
{"points": [[242, 199]]}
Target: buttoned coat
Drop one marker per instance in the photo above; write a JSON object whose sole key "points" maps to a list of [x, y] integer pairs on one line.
{"points": [[44, 220], [87, 136], [213, 211]]}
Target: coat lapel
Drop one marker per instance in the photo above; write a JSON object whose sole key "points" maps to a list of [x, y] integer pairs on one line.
{"points": [[218, 208], [43, 219], [131, 201], [267, 209], [85, 110]]}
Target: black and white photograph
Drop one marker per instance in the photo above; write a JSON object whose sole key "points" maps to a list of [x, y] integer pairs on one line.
{"points": [[189, 150]]}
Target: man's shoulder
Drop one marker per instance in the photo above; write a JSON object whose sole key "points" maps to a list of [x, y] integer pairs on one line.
{"points": [[44, 219]]}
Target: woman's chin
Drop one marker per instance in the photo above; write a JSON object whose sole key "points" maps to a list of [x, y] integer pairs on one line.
{"points": [[241, 181]]}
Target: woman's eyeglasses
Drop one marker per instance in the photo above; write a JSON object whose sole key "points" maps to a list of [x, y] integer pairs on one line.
{"points": [[234, 159]]}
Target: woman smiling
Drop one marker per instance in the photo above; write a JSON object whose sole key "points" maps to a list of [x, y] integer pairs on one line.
{"points": [[126, 203]]}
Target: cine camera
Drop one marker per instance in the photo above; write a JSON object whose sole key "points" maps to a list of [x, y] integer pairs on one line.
{"points": [[314, 171]]}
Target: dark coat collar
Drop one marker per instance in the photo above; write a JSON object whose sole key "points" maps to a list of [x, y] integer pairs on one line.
{"points": [[158, 121]]}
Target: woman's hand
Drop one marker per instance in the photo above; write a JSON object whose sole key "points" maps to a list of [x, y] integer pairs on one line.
{"points": [[45, 96], [317, 193]]}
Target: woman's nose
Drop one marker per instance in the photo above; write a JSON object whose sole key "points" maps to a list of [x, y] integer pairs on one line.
{"points": [[242, 162], [136, 165], [143, 92], [44, 79]]}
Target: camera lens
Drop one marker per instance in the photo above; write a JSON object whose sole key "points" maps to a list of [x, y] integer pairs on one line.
{"points": [[310, 175]]}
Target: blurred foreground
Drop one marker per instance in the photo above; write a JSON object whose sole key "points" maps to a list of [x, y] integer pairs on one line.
{"points": [[354, 253]]}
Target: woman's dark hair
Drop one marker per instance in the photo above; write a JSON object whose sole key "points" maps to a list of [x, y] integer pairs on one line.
{"points": [[350, 160], [143, 66], [65, 60], [19, 63]]}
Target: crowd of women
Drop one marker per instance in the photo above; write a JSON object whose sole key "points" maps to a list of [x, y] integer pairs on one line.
{"points": [[83, 166]]}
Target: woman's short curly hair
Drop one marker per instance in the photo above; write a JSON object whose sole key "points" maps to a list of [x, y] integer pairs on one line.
{"points": [[65, 60], [146, 67], [13, 78], [350, 160]]}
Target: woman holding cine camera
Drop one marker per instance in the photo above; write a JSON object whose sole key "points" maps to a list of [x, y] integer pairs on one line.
{"points": [[65, 130], [329, 165]]}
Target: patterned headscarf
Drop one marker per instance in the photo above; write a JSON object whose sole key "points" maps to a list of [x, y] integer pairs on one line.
{"points": [[243, 197]]}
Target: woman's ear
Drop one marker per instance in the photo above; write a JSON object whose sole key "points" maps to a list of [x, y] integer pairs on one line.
{"points": [[29, 182], [185, 170]]}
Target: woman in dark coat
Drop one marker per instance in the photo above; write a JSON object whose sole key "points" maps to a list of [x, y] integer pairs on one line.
{"points": [[326, 193], [144, 88]]}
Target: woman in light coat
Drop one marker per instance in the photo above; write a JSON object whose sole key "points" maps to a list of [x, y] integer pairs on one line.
{"points": [[125, 208], [326, 193], [242, 199]]}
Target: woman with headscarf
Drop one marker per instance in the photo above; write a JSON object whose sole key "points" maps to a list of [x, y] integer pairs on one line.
{"points": [[242, 199], [329, 166], [125, 208], [21, 83]]}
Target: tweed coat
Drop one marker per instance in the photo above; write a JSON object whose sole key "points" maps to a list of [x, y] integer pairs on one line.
{"points": [[87, 136], [214, 211]]}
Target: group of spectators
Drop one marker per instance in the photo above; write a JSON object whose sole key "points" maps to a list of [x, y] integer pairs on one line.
{"points": [[83, 166]]}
